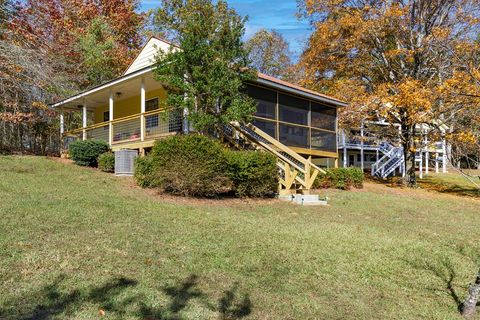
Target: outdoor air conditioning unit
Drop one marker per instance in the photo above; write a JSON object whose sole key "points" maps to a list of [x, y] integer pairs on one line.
{"points": [[124, 162]]}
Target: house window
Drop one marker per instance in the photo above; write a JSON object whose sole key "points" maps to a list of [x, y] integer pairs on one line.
{"points": [[106, 117], [324, 141], [369, 157], [151, 121], [294, 136], [266, 101], [293, 109], [323, 117], [266, 126]]}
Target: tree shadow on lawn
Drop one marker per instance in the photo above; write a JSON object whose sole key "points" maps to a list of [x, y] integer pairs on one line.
{"points": [[443, 269], [434, 184], [230, 306], [113, 299], [431, 183]]}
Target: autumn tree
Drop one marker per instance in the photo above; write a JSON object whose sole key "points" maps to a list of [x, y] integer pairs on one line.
{"points": [[270, 53], [461, 104], [76, 31], [27, 81], [52, 48], [390, 59], [206, 74]]}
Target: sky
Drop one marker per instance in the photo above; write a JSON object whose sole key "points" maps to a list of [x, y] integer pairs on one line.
{"points": [[268, 14]]}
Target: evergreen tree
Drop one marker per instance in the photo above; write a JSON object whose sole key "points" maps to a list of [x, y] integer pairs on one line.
{"points": [[206, 75]]}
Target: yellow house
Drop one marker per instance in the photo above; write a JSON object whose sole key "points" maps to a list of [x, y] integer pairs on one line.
{"points": [[292, 122]]}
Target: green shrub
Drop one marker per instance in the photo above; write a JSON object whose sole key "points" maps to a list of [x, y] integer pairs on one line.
{"points": [[144, 172], [357, 177], [85, 153], [254, 174], [340, 178], [106, 162], [5, 151], [188, 165]]}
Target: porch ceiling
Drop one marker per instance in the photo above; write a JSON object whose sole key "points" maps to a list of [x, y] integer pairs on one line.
{"points": [[120, 90]]}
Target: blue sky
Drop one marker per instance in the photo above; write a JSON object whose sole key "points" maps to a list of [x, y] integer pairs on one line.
{"points": [[273, 14]]}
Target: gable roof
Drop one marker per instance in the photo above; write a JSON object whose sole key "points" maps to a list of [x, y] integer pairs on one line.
{"points": [[146, 56], [145, 60]]}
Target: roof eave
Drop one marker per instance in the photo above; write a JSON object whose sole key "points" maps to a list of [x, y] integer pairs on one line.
{"points": [[103, 86], [334, 102]]}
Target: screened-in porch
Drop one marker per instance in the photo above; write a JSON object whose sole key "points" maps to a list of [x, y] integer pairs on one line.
{"points": [[305, 125]]}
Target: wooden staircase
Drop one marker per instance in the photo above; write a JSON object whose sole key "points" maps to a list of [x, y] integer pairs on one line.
{"points": [[297, 174]]}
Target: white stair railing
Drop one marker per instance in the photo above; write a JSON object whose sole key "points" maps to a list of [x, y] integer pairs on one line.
{"points": [[391, 160]]}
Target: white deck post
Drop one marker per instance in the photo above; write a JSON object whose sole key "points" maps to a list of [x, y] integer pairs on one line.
{"points": [[427, 155], [142, 110], [344, 149], [110, 114], [444, 150], [361, 148], [421, 164], [84, 120]]}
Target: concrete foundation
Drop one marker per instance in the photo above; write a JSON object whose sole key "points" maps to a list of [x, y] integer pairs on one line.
{"points": [[304, 199]]}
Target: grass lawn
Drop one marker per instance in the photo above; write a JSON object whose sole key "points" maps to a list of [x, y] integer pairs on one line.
{"points": [[453, 183], [76, 243]]}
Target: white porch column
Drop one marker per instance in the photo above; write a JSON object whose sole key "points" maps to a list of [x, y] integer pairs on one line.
{"points": [[142, 110], [444, 150], [344, 149], [436, 162], [110, 114], [62, 123], [361, 147], [62, 129], [186, 124], [84, 120]]}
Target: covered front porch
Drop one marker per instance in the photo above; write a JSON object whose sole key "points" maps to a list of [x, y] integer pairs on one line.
{"points": [[127, 113]]}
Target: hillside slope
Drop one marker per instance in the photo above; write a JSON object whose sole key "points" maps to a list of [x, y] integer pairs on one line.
{"points": [[76, 243]]}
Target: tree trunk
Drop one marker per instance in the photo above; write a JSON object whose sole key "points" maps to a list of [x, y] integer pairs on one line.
{"points": [[470, 304], [412, 175], [409, 154]]}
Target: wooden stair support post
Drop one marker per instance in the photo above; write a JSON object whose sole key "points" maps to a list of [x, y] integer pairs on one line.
{"points": [[291, 169]]}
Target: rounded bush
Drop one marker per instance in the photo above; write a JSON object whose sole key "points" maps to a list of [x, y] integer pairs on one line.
{"points": [[188, 165], [106, 162], [86, 152], [254, 174]]}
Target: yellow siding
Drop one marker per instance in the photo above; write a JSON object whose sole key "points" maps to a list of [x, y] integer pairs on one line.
{"points": [[128, 106]]}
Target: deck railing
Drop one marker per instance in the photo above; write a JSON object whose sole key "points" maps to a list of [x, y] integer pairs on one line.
{"points": [[156, 124], [354, 141]]}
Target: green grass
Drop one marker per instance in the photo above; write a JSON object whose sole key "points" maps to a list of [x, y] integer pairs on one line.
{"points": [[453, 183], [74, 241]]}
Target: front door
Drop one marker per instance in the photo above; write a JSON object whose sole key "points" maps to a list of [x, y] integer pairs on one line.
{"points": [[351, 160]]}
